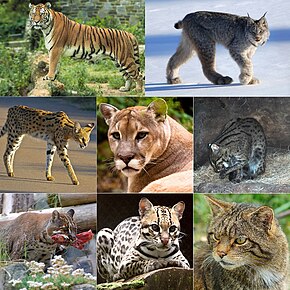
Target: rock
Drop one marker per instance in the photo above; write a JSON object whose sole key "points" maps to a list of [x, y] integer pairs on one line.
{"points": [[12, 271], [83, 287]]}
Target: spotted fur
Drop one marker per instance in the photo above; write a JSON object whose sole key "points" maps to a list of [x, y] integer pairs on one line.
{"points": [[29, 235], [67, 37], [239, 151], [141, 244], [55, 128]]}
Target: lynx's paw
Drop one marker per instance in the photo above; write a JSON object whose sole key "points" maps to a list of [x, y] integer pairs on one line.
{"points": [[174, 81], [254, 81], [224, 80]]}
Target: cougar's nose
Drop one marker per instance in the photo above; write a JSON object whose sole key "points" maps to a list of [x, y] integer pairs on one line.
{"points": [[126, 158]]}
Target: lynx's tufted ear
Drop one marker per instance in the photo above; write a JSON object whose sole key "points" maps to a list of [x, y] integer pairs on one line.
{"points": [[179, 209], [108, 112], [217, 206], [144, 206], [159, 108], [71, 212]]}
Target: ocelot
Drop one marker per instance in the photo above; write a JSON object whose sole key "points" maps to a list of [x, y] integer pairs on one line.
{"points": [[141, 244], [239, 151]]}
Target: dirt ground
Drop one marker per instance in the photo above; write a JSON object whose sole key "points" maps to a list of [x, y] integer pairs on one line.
{"points": [[275, 179]]}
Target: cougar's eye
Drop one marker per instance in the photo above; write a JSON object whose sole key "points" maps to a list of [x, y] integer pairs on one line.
{"points": [[116, 135], [155, 228], [172, 229], [241, 240], [141, 135]]}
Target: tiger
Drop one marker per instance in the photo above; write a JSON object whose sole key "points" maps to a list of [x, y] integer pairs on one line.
{"points": [[66, 37]]}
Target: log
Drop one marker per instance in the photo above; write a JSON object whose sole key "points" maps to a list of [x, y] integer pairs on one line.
{"points": [[76, 199], [85, 216], [167, 278]]}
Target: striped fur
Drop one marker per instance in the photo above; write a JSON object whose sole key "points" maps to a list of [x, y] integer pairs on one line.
{"points": [[55, 128], [246, 249], [69, 38], [141, 244], [239, 151]]}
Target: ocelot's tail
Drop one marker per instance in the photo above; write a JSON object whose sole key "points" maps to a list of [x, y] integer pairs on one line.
{"points": [[178, 25], [3, 130]]}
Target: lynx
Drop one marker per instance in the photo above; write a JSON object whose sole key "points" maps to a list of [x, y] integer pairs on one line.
{"points": [[241, 35]]}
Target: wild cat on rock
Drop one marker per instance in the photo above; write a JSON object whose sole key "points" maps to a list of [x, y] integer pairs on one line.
{"points": [[241, 35]]}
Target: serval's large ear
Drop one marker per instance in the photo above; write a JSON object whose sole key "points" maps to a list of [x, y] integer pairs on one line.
{"points": [[159, 108], [108, 112]]}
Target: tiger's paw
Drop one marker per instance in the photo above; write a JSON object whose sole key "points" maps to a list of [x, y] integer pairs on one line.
{"points": [[48, 78]]}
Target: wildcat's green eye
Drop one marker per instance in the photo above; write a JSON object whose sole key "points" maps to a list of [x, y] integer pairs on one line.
{"points": [[241, 240], [214, 237]]}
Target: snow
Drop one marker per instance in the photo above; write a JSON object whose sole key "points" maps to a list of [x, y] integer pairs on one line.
{"points": [[271, 61]]}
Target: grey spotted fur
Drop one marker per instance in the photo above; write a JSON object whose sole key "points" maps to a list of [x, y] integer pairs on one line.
{"points": [[241, 35], [239, 151], [132, 248]]}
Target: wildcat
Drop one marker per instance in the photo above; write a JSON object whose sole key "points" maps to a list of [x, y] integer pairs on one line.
{"points": [[241, 35], [246, 249]]}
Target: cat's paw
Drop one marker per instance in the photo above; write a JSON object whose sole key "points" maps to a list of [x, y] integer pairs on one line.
{"points": [[48, 78], [224, 80], [174, 81], [253, 81]]}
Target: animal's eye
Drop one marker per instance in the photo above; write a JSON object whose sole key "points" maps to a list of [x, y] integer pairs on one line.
{"points": [[141, 135], [214, 237], [116, 135], [155, 228], [241, 240], [172, 229]]}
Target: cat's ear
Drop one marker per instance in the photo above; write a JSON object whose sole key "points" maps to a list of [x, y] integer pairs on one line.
{"points": [[55, 215], [217, 205], [71, 212], [179, 209], [263, 216], [144, 206], [108, 112], [215, 149], [159, 108]]}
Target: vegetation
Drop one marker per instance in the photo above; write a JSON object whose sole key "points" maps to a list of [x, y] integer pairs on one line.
{"points": [[60, 276], [279, 202], [15, 72]]}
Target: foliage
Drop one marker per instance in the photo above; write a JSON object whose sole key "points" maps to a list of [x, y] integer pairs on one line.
{"points": [[60, 276], [15, 72], [10, 11], [202, 211], [4, 255]]}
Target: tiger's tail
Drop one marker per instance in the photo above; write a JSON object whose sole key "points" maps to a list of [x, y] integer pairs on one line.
{"points": [[178, 25]]}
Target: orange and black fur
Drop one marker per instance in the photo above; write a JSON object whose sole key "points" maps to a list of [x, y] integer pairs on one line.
{"points": [[67, 37]]}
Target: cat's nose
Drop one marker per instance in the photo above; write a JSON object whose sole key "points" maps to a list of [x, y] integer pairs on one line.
{"points": [[126, 158], [221, 254]]}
